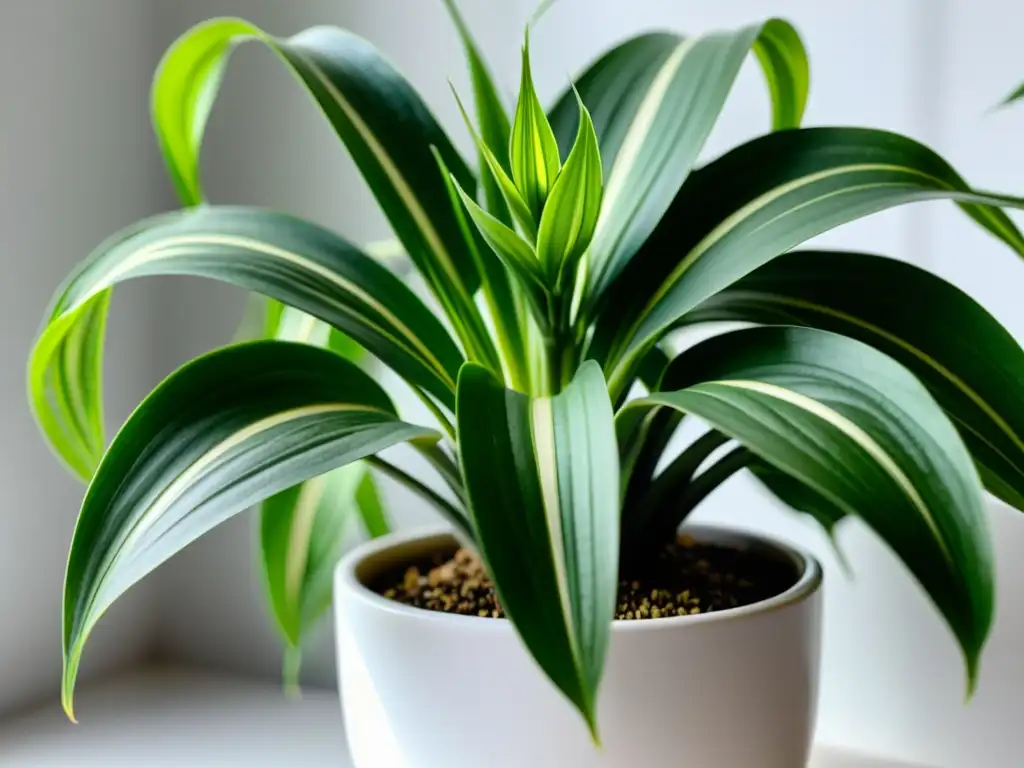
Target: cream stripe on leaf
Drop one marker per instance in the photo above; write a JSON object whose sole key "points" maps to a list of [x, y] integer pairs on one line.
{"points": [[760, 200], [386, 127], [652, 121], [222, 433], [284, 258], [542, 480], [302, 533], [303, 528], [862, 434], [975, 373]]}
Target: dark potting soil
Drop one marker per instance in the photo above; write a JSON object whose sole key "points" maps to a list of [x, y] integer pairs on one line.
{"points": [[685, 578]]}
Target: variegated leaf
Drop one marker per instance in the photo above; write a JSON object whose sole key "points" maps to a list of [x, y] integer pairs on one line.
{"points": [[858, 429], [760, 200], [654, 100], [282, 257], [542, 478], [222, 433]]}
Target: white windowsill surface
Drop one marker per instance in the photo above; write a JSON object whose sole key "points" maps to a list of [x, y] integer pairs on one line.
{"points": [[174, 717]]}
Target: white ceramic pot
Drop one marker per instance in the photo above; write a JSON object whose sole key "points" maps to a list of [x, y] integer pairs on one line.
{"points": [[421, 689]]}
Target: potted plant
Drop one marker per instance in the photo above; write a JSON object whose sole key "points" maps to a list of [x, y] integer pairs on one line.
{"points": [[555, 273]]}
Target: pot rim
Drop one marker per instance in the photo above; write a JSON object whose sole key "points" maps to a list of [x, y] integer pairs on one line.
{"points": [[426, 538]]}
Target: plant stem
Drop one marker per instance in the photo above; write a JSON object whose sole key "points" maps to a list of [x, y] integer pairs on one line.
{"points": [[559, 344]]}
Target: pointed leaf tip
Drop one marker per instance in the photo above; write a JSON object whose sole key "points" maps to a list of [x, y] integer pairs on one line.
{"points": [[533, 149], [571, 213]]}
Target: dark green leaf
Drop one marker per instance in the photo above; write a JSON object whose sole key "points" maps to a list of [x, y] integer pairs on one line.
{"points": [[654, 100], [282, 257], [542, 478], [386, 127], [971, 365], [221, 434], [760, 200], [857, 428], [795, 494]]}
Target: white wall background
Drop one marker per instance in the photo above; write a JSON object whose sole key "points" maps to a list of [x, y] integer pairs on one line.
{"points": [[929, 68], [76, 162]]}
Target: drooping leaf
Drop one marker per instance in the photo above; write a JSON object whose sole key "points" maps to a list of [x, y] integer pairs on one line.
{"points": [[858, 429], [294, 522], [971, 365], [654, 100], [495, 130], [222, 433], [542, 482], [65, 375], [282, 257], [793, 493], [760, 200], [384, 124], [302, 528], [570, 214], [533, 150], [787, 72], [302, 531]]}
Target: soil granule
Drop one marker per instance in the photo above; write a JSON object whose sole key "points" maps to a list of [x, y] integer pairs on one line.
{"points": [[684, 578]]}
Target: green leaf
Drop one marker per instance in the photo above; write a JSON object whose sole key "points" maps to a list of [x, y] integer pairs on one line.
{"points": [[787, 72], [857, 428], [760, 200], [371, 508], [1015, 95], [302, 528], [971, 365], [221, 434], [65, 381], [497, 292], [301, 531], [542, 478], [386, 127], [514, 252], [492, 170], [492, 117], [533, 150], [654, 100], [570, 214], [793, 493], [282, 257]]}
